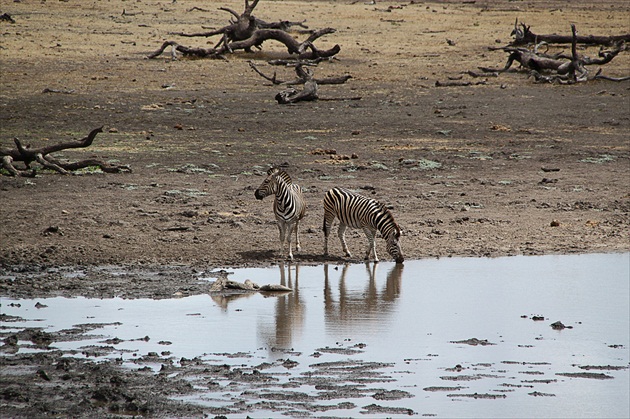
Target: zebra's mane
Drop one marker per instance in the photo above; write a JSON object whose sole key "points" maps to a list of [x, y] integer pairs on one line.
{"points": [[274, 171], [383, 207], [389, 214]]}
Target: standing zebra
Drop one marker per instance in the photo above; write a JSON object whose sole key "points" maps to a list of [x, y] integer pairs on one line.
{"points": [[289, 205], [357, 211]]}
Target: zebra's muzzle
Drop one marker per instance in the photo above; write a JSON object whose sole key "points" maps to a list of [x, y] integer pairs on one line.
{"points": [[259, 195]]}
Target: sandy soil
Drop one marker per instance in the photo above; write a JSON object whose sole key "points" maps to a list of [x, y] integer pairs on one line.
{"points": [[504, 168]]}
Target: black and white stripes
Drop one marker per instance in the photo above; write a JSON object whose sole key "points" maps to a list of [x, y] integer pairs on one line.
{"points": [[289, 206], [356, 211]]}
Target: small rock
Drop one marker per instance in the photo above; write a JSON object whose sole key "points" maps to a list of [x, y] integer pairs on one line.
{"points": [[559, 326], [275, 288], [43, 374], [52, 230], [289, 363]]}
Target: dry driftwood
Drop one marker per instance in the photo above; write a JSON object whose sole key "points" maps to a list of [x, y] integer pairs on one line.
{"points": [[458, 83], [223, 284], [300, 80], [304, 77], [304, 50], [28, 155], [564, 68], [5, 17], [247, 32], [309, 92], [242, 27], [523, 36]]}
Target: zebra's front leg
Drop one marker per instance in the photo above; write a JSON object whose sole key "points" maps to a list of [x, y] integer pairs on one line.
{"points": [[282, 228], [342, 237], [289, 231], [370, 234]]}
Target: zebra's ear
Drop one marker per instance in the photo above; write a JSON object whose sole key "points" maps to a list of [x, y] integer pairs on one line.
{"points": [[272, 170]]}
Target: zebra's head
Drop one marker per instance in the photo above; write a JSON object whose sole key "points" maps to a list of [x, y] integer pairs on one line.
{"points": [[393, 245], [269, 186]]}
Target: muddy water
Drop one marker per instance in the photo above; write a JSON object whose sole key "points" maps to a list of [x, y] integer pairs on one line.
{"points": [[447, 338]]}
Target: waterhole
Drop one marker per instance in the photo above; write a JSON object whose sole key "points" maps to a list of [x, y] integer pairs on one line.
{"points": [[541, 336]]}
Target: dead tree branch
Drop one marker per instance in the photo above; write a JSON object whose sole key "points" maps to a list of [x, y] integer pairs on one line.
{"points": [[309, 92], [524, 36], [569, 69], [311, 85], [304, 77], [28, 155], [603, 77], [304, 50], [246, 32], [241, 27], [273, 79]]}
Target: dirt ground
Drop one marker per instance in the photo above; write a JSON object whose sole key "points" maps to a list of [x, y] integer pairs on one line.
{"points": [[508, 167]]}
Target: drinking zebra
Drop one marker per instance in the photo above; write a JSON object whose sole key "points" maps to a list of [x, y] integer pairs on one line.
{"points": [[289, 205], [357, 211]]}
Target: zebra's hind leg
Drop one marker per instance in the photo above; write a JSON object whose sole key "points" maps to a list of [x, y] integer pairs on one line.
{"points": [[297, 236], [328, 220], [342, 237], [370, 234]]}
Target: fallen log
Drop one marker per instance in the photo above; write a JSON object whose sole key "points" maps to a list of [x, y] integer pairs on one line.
{"points": [[305, 50], [523, 36], [247, 32], [569, 69], [304, 77], [458, 83], [300, 80], [308, 93], [223, 284], [41, 155]]}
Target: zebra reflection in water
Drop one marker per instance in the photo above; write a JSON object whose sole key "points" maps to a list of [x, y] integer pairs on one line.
{"points": [[290, 311], [343, 305], [289, 206], [359, 307]]}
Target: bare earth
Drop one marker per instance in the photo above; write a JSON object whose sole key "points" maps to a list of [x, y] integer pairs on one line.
{"points": [[509, 167]]}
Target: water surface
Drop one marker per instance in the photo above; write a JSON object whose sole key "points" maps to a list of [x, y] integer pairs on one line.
{"points": [[420, 319]]}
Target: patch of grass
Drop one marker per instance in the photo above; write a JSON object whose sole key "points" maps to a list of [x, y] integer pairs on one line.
{"points": [[603, 158], [90, 170], [426, 164]]}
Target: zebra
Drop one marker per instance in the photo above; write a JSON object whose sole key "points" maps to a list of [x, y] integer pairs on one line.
{"points": [[357, 211], [289, 205]]}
